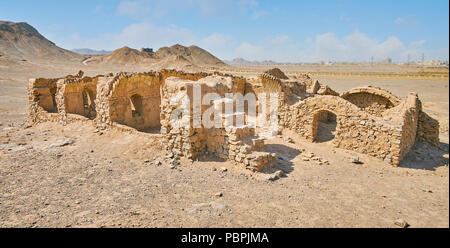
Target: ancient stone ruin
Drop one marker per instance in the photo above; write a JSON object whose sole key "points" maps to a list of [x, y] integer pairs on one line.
{"points": [[368, 120]]}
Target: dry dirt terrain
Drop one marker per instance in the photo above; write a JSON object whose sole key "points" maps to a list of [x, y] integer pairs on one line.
{"points": [[119, 178]]}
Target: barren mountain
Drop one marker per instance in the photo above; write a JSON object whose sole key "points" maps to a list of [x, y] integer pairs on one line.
{"points": [[176, 57], [22, 41], [123, 56], [194, 54]]}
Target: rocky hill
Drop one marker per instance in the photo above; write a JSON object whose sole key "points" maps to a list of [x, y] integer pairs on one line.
{"points": [[176, 57], [22, 41], [194, 54], [123, 56]]}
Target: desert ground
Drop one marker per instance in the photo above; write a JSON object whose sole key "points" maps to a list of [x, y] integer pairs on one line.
{"points": [[118, 178]]}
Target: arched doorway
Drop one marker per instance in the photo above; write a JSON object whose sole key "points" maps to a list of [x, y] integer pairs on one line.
{"points": [[89, 103], [324, 126]]}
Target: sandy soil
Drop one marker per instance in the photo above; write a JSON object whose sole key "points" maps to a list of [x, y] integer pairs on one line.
{"points": [[113, 179]]}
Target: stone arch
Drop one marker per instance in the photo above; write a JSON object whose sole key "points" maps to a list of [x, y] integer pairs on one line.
{"points": [[304, 123], [324, 126], [373, 100]]}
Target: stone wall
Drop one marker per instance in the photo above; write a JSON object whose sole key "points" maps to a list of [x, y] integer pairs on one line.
{"points": [[41, 99], [79, 96], [193, 140], [410, 111], [428, 129], [229, 142]]}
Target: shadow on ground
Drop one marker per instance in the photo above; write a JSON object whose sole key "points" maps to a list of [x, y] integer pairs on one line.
{"points": [[426, 157], [285, 155]]}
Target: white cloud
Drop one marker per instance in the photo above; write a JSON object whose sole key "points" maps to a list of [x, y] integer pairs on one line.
{"points": [[406, 22], [279, 47], [216, 39], [356, 47], [218, 44], [143, 34], [248, 51], [146, 34]]}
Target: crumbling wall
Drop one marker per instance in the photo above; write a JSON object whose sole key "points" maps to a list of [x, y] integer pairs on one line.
{"points": [[104, 84], [180, 74], [41, 99], [428, 129], [410, 111], [228, 141], [314, 87], [193, 140]]}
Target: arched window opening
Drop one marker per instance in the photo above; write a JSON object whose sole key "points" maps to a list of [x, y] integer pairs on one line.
{"points": [[89, 103], [136, 106]]}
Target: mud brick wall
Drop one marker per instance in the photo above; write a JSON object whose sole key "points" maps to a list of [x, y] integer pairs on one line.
{"points": [[41, 100]]}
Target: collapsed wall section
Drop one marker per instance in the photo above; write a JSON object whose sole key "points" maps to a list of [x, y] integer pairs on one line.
{"points": [[178, 101], [224, 138], [180, 74], [41, 99]]}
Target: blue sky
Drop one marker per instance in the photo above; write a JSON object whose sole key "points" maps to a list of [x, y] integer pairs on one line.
{"points": [[284, 31]]}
